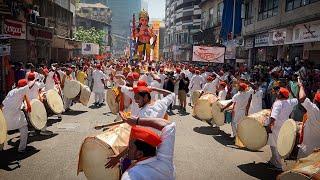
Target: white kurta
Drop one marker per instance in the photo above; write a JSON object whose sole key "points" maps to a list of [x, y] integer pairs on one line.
{"points": [[34, 91], [210, 87], [157, 109], [281, 111], [240, 100], [311, 135], [256, 101], [49, 81], [12, 108], [162, 77], [159, 167], [155, 84], [222, 94], [195, 83], [98, 86]]}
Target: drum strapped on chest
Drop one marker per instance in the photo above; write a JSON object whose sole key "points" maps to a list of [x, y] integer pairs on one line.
{"points": [[305, 169], [219, 117], [52, 102], [84, 95], [195, 96], [72, 89], [288, 139], [3, 129], [251, 130], [95, 151], [113, 99], [203, 107], [38, 115]]}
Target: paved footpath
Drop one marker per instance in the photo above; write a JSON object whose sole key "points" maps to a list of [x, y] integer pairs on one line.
{"points": [[201, 151]]}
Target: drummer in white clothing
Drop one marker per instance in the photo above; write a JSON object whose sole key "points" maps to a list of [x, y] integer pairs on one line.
{"points": [[281, 111], [241, 102], [256, 101], [311, 128], [222, 94], [153, 154], [98, 85], [211, 85], [196, 82], [11, 107]]}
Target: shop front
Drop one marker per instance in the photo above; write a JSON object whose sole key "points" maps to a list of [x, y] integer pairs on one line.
{"points": [[15, 31], [39, 43]]}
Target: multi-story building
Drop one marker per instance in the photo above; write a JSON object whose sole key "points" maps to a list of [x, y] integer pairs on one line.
{"points": [[37, 31], [182, 20], [287, 29], [211, 17], [94, 15]]}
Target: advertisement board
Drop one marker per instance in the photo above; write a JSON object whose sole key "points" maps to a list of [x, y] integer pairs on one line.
{"points": [[208, 54], [90, 49]]}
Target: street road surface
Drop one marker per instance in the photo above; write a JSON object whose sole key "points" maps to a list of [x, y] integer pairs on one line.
{"points": [[202, 152]]}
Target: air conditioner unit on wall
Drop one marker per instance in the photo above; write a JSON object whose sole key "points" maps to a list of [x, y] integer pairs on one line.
{"points": [[46, 22]]}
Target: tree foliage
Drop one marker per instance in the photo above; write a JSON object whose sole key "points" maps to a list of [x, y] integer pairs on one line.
{"points": [[91, 35]]}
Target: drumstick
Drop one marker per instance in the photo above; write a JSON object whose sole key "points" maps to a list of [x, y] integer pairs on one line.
{"points": [[107, 125]]}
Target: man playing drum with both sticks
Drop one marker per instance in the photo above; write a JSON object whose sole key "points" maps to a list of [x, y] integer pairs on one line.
{"points": [[15, 118], [311, 128], [280, 112], [35, 93], [152, 154]]}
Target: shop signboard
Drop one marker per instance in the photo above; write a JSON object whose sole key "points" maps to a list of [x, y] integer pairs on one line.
{"points": [[262, 40], [90, 49], [16, 29], [307, 32], [248, 43], [208, 54], [35, 33], [279, 37]]}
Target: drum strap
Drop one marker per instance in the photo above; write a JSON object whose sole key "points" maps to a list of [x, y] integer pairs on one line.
{"points": [[121, 103], [305, 118]]}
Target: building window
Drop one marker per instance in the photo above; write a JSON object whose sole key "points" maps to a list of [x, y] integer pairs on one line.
{"points": [[204, 19], [219, 12], [248, 16], [293, 4], [268, 8], [211, 23]]}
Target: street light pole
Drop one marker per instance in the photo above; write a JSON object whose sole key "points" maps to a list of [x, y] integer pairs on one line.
{"points": [[233, 18]]}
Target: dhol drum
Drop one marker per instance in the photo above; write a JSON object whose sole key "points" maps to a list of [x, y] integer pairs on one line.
{"points": [[251, 130], [95, 151], [218, 117], [288, 139], [305, 169], [71, 89], [53, 102], [85, 94], [113, 100], [195, 96], [3, 129], [38, 114], [203, 107]]}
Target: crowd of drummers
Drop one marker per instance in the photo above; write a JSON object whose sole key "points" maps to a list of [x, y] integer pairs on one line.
{"points": [[152, 91]]}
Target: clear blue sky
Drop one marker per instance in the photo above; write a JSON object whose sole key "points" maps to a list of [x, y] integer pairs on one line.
{"points": [[156, 8]]}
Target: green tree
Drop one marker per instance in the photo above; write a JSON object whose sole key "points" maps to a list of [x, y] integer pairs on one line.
{"points": [[91, 35]]}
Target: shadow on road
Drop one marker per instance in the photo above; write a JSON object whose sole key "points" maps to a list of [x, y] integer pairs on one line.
{"points": [[259, 171], [74, 113], [10, 158], [220, 136], [52, 121], [207, 130], [31, 139]]}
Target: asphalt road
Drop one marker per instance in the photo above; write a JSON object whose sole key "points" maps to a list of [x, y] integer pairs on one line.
{"points": [[201, 151]]}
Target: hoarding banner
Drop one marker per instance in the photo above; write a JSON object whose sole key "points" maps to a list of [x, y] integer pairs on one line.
{"points": [[90, 49], [208, 54]]}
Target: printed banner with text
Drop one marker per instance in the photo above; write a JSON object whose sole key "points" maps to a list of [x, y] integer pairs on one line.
{"points": [[208, 54]]}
